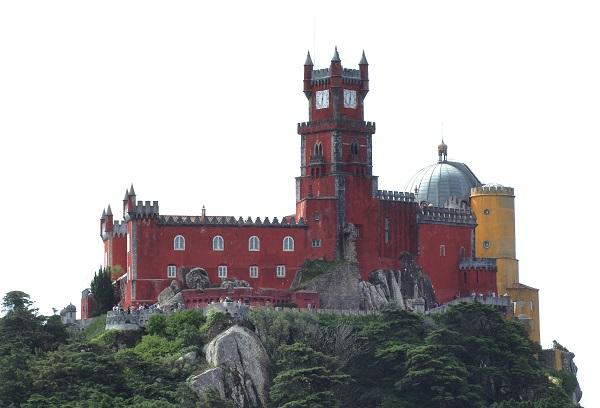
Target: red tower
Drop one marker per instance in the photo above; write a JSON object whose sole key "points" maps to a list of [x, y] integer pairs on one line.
{"points": [[336, 185]]}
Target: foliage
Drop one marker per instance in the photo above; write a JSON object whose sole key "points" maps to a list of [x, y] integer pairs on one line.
{"points": [[103, 291], [468, 357], [306, 378], [95, 328]]}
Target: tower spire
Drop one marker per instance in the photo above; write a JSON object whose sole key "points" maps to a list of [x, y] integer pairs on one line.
{"points": [[363, 60], [336, 56], [308, 59]]}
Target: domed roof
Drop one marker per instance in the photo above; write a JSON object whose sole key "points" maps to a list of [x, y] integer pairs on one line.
{"points": [[70, 308], [443, 184]]}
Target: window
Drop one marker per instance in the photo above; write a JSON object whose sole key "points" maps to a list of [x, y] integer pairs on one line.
{"points": [[442, 250], [486, 211], [179, 243], [171, 271], [222, 271], [354, 148], [486, 244], [218, 243], [254, 271], [463, 252], [316, 243], [253, 243], [280, 272], [288, 244], [317, 216], [318, 150], [386, 230]]}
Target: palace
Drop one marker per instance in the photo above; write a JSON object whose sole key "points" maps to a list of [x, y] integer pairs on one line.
{"points": [[460, 231]]}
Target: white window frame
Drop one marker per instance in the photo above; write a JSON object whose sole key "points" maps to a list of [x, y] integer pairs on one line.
{"points": [[287, 247], [171, 271], [253, 271], [218, 243], [442, 250], [179, 243], [280, 271], [254, 243], [222, 271], [316, 243]]}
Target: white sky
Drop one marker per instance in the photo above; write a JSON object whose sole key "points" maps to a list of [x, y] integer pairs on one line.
{"points": [[197, 103]]}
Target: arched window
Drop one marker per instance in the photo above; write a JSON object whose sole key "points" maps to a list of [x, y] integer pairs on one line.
{"points": [[218, 243], [179, 243], [253, 243], [354, 148], [463, 252], [288, 244], [318, 150]]}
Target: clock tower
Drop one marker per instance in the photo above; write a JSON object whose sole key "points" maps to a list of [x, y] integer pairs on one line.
{"points": [[336, 184]]}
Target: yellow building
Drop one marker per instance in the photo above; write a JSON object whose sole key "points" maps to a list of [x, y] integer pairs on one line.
{"points": [[494, 208]]}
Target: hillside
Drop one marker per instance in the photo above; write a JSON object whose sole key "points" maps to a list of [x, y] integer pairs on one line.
{"points": [[467, 357]]}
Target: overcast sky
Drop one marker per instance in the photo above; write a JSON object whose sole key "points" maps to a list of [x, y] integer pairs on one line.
{"points": [[196, 103]]}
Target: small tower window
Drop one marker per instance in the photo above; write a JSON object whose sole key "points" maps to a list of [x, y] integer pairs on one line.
{"points": [[253, 243], [171, 271], [179, 243], [486, 244], [463, 252], [253, 271], [442, 250], [386, 230], [288, 244], [486, 211], [354, 148], [316, 243], [218, 243], [280, 271], [318, 150], [222, 271]]}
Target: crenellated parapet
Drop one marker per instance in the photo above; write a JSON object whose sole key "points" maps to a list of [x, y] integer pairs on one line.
{"points": [[438, 215], [488, 264], [493, 189], [395, 196], [317, 126], [323, 76], [145, 209], [286, 222]]}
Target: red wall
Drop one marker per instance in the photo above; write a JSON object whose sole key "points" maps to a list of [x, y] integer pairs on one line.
{"points": [[443, 269]]}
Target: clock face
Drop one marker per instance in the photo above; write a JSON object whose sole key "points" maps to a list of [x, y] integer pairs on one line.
{"points": [[349, 98], [322, 99]]}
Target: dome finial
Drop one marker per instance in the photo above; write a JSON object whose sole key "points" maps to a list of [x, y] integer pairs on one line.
{"points": [[443, 151]]}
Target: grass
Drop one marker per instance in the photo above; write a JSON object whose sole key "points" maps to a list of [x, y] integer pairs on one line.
{"points": [[96, 328]]}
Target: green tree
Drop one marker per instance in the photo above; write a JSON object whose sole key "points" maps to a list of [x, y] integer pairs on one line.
{"points": [[103, 291], [306, 378]]}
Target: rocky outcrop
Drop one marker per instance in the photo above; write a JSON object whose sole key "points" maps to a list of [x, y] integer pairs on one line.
{"points": [[342, 287], [339, 288], [171, 295], [241, 368], [197, 278], [408, 287]]}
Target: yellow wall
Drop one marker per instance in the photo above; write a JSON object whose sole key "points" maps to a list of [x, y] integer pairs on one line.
{"points": [[527, 308], [494, 208]]}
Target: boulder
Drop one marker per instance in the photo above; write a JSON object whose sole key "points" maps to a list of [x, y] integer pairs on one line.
{"points": [[339, 288], [168, 292], [197, 278], [241, 372], [235, 283]]}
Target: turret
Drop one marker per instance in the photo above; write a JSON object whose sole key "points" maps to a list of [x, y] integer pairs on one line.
{"points": [[108, 227], [102, 222], [363, 67], [308, 67], [129, 201]]}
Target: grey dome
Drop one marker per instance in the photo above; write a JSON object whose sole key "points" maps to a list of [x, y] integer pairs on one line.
{"points": [[444, 184]]}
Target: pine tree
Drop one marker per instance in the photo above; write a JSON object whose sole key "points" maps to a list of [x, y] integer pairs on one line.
{"points": [[103, 291]]}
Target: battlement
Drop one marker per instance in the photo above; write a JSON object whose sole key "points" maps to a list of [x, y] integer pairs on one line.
{"points": [[322, 76], [493, 190], [119, 228], [286, 222], [438, 215], [144, 209], [478, 263], [342, 124], [395, 196]]}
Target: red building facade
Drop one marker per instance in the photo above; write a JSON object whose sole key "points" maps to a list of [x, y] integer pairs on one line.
{"points": [[336, 192]]}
